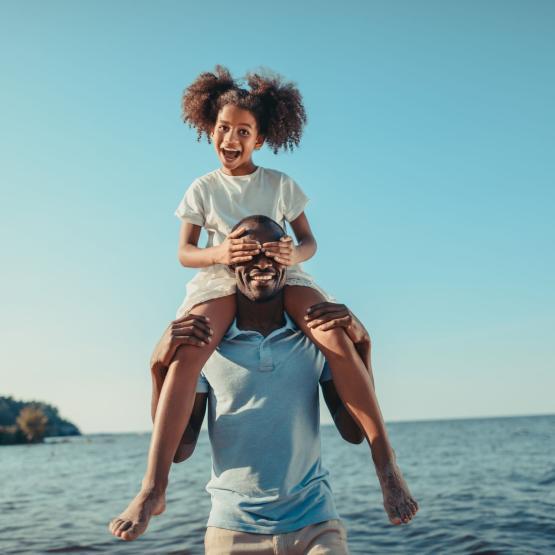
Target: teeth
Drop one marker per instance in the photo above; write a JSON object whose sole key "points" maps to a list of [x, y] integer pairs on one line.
{"points": [[262, 278]]}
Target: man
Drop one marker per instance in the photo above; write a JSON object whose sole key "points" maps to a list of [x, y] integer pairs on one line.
{"points": [[269, 491]]}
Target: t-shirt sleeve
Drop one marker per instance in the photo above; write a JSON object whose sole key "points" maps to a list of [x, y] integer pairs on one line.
{"points": [[326, 376], [293, 198], [202, 384], [192, 208]]}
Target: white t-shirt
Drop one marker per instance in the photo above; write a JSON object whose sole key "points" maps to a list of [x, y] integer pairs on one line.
{"points": [[217, 201]]}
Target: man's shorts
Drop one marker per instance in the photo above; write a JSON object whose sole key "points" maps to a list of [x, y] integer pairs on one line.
{"points": [[324, 538]]}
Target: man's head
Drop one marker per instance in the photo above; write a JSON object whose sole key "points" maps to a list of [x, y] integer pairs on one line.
{"points": [[261, 278]]}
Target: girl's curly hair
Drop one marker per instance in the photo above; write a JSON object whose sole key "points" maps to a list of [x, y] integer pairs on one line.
{"points": [[276, 105]]}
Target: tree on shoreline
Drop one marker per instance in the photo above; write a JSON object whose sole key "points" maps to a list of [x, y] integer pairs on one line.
{"points": [[31, 422]]}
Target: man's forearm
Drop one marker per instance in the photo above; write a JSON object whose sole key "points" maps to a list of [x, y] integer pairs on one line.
{"points": [[363, 350], [347, 427], [345, 423], [158, 373]]}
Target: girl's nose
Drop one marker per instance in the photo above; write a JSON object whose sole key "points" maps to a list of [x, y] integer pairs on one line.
{"points": [[231, 136]]}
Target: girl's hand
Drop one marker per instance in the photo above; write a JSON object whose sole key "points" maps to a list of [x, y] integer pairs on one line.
{"points": [[282, 251], [236, 249], [326, 316], [191, 329]]}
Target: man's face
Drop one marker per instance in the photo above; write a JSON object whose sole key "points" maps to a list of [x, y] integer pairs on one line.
{"points": [[261, 278]]}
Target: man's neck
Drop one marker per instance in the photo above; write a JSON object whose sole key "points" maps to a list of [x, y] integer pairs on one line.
{"points": [[263, 317]]}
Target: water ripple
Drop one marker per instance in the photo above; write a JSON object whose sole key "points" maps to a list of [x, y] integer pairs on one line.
{"points": [[484, 487]]}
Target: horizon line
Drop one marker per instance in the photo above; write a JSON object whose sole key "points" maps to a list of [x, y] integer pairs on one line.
{"points": [[415, 421]]}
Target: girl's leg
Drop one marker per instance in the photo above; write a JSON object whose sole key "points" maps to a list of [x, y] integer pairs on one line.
{"points": [[354, 385], [172, 415], [158, 375]]}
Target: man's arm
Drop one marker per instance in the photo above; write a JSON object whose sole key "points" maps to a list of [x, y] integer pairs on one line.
{"points": [[192, 431], [191, 329], [327, 316], [343, 421]]}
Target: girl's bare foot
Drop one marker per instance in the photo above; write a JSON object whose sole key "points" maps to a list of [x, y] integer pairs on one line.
{"points": [[399, 504], [130, 524]]}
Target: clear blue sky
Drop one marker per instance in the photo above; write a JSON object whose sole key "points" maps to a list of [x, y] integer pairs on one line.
{"points": [[428, 158]]}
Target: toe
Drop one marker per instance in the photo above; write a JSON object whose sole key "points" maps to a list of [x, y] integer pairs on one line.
{"points": [[394, 517], [122, 526], [131, 533], [407, 512], [114, 524], [125, 525]]}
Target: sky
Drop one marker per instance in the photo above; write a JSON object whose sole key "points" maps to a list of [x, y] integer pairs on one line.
{"points": [[428, 158]]}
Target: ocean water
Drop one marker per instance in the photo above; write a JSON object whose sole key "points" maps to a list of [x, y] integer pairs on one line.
{"points": [[484, 486]]}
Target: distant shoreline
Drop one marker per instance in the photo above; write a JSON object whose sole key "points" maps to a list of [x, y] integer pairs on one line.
{"points": [[29, 422], [388, 422]]}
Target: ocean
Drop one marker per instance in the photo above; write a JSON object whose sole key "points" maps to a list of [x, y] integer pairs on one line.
{"points": [[485, 486]]}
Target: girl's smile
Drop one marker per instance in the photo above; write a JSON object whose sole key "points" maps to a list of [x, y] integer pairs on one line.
{"points": [[235, 137]]}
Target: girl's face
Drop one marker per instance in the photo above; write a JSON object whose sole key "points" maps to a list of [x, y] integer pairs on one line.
{"points": [[235, 136]]}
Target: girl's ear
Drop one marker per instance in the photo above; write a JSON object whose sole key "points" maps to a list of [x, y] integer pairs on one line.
{"points": [[259, 142]]}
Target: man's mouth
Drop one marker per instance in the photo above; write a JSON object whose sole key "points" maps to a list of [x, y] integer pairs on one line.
{"points": [[231, 154], [262, 278]]}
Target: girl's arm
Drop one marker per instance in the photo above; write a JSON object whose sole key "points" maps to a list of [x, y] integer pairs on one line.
{"points": [[189, 254], [285, 252], [233, 250], [306, 243]]}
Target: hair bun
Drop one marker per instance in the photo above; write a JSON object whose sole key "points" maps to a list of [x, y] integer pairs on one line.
{"points": [[276, 104], [199, 103], [283, 105]]}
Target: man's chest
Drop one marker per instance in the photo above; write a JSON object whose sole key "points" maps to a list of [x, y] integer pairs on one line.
{"points": [[255, 374]]}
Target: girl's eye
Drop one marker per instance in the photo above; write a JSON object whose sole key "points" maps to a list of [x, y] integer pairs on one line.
{"points": [[244, 132], [222, 128]]}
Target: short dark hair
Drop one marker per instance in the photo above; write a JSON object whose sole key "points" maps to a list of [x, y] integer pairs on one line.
{"points": [[259, 219]]}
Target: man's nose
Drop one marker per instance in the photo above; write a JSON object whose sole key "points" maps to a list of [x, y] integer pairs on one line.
{"points": [[262, 262]]}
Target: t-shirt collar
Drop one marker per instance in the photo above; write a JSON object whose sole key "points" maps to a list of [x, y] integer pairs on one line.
{"points": [[234, 332]]}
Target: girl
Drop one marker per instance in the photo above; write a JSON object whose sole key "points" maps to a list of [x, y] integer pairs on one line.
{"points": [[239, 122]]}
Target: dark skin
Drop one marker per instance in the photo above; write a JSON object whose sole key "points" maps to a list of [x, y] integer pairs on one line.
{"points": [[236, 130], [259, 304], [236, 136], [196, 330], [255, 312]]}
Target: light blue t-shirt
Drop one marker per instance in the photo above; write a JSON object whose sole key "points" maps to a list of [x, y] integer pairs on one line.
{"points": [[264, 428]]}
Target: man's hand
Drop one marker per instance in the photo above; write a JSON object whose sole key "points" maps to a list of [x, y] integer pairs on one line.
{"points": [[191, 329], [236, 249], [282, 251], [326, 316]]}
